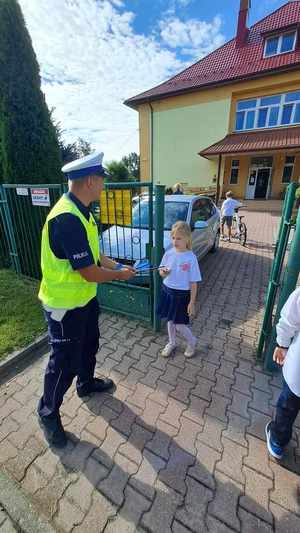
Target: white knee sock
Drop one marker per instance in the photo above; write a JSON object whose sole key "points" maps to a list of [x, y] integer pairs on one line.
{"points": [[172, 332], [186, 333]]}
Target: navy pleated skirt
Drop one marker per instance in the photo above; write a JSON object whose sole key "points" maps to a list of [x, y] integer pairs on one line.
{"points": [[173, 305]]}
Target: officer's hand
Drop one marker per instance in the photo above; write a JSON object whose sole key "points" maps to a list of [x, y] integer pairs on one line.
{"points": [[279, 355], [126, 274]]}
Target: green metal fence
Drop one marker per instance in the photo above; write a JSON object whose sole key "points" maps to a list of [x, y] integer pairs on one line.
{"points": [[282, 280], [23, 217], [5, 260], [130, 233]]}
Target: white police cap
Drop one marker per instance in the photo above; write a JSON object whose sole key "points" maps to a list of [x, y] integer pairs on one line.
{"points": [[85, 166]]}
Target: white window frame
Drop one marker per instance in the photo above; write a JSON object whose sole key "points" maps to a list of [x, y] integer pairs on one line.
{"points": [[288, 165], [236, 167], [269, 107], [279, 44]]}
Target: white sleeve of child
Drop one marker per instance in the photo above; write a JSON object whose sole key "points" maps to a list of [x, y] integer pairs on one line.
{"points": [[289, 323], [164, 261], [195, 271]]}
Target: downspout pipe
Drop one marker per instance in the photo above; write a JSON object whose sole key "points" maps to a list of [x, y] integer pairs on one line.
{"points": [[151, 142]]}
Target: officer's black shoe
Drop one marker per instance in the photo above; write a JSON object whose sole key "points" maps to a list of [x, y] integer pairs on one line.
{"points": [[53, 431], [97, 385]]}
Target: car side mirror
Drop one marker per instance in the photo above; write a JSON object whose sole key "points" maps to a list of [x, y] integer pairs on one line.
{"points": [[200, 224]]}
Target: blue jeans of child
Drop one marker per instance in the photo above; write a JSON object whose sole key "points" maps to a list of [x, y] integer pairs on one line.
{"points": [[287, 408]]}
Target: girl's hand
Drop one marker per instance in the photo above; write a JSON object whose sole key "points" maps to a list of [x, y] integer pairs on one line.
{"points": [[191, 309], [164, 272], [279, 355], [131, 269]]}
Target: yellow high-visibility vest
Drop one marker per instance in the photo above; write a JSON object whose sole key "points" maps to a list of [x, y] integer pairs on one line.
{"points": [[61, 286]]}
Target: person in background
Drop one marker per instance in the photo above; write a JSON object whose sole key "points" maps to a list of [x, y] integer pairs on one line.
{"points": [[169, 191], [227, 213], [178, 189], [71, 269], [287, 354]]}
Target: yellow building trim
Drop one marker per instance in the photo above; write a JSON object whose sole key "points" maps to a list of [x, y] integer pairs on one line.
{"points": [[145, 142]]}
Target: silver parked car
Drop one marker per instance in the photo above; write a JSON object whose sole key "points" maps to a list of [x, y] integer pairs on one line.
{"points": [[128, 243]]}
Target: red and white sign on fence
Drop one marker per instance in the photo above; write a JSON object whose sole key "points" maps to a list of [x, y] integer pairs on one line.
{"points": [[40, 197]]}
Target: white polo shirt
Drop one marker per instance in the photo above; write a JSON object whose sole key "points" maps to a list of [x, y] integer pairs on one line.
{"points": [[288, 336], [229, 206]]}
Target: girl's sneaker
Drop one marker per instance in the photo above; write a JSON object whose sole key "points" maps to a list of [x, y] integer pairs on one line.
{"points": [[274, 450], [168, 350], [190, 350]]}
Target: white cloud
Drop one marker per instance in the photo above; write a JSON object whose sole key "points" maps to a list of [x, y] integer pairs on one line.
{"points": [[91, 60], [184, 3], [195, 37]]}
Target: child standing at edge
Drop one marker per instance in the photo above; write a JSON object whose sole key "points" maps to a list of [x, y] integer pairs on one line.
{"points": [[287, 353], [180, 271]]}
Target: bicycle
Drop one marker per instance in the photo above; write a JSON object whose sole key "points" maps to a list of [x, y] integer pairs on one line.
{"points": [[240, 227]]}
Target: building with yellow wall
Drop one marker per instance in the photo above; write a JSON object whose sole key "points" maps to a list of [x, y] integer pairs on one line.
{"points": [[231, 120]]}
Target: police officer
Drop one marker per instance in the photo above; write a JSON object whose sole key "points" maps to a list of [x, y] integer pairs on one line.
{"points": [[71, 268]]}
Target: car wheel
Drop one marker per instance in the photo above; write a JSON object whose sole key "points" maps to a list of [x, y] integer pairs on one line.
{"points": [[216, 244]]}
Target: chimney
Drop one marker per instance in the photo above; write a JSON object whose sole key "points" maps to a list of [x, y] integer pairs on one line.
{"points": [[242, 29]]}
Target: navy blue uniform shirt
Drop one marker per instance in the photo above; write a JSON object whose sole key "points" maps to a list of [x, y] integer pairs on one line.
{"points": [[68, 238]]}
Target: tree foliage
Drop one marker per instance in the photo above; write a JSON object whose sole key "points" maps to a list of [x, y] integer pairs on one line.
{"points": [[132, 163], [29, 150], [118, 171], [71, 151]]}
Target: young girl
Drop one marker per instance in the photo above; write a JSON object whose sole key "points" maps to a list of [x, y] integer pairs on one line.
{"points": [[180, 270]]}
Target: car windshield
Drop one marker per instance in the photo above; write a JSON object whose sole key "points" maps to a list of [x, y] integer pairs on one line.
{"points": [[174, 211]]}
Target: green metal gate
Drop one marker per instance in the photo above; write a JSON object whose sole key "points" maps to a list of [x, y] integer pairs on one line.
{"points": [[283, 279], [23, 211], [129, 242]]}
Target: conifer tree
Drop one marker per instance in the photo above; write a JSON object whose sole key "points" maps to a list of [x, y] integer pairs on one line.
{"points": [[29, 151]]}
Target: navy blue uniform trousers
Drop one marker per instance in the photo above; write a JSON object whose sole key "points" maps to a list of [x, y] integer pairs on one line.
{"points": [[74, 343]]}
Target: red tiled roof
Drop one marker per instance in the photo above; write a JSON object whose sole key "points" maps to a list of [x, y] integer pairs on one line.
{"points": [[230, 63], [255, 141]]}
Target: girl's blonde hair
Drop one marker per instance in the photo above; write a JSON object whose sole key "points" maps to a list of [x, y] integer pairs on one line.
{"points": [[185, 230]]}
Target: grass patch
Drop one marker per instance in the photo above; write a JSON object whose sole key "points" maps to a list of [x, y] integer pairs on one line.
{"points": [[21, 316]]}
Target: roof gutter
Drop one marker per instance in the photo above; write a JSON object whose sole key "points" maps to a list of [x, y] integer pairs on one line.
{"points": [[135, 103]]}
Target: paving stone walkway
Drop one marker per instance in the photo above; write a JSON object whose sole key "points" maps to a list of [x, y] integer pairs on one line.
{"points": [[6, 524], [180, 445]]}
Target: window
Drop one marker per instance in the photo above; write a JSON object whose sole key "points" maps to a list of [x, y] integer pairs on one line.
{"points": [[288, 169], [234, 174], [174, 211], [262, 162], [268, 111], [280, 44], [202, 210]]}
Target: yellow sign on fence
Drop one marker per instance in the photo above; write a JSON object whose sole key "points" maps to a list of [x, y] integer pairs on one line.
{"points": [[116, 207]]}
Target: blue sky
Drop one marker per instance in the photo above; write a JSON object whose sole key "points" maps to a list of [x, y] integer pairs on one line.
{"points": [[93, 54], [148, 11]]}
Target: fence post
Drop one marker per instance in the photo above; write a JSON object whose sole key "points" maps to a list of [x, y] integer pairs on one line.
{"points": [[158, 247], [277, 267], [289, 283], [8, 226]]}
